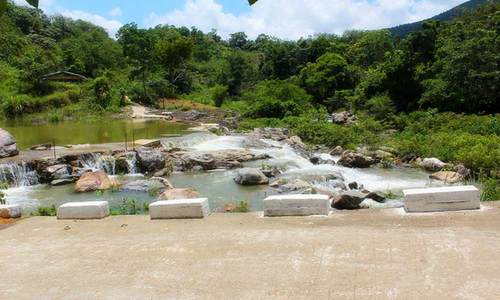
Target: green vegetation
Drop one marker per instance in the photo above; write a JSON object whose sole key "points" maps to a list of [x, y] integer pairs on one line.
{"points": [[50, 211], [242, 207]]}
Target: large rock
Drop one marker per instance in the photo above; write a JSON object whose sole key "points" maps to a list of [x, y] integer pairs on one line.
{"points": [[10, 211], [277, 134], [175, 194], [8, 146], [355, 160], [198, 159], [432, 164], [349, 200], [93, 181], [60, 171], [447, 176], [150, 160], [155, 184], [250, 176], [344, 117]]}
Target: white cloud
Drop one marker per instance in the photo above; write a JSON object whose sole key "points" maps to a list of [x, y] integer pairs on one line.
{"points": [[110, 25], [116, 12], [292, 19]]}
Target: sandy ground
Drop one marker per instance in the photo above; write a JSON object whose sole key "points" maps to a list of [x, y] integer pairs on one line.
{"points": [[354, 255]]}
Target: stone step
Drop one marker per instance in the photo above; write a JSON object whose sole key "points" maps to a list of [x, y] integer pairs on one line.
{"points": [[179, 209], [83, 210], [296, 205], [10, 211], [451, 198]]}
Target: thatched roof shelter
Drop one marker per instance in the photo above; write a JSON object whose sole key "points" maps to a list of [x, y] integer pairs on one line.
{"points": [[64, 76]]}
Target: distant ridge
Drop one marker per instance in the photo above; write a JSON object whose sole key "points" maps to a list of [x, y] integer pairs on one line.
{"points": [[403, 30]]}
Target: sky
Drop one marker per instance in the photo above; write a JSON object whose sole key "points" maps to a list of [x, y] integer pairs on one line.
{"points": [[287, 19]]}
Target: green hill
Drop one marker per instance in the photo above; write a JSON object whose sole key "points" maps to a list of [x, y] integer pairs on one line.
{"points": [[403, 30]]}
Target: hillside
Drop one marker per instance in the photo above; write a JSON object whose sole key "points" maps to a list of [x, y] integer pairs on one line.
{"points": [[403, 30]]}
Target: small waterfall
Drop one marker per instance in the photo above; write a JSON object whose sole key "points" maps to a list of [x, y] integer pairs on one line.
{"points": [[18, 175], [131, 160], [99, 162]]}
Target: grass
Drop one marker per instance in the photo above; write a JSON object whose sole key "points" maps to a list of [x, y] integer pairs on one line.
{"points": [[184, 105], [50, 211]]}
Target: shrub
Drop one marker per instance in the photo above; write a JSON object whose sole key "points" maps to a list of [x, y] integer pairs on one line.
{"points": [[490, 190], [219, 94]]}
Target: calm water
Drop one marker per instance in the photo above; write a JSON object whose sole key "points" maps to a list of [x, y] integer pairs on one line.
{"points": [[97, 131]]}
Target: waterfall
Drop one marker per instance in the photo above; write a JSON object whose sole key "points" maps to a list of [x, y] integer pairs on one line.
{"points": [[131, 160], [18, 174], [99, 162]]}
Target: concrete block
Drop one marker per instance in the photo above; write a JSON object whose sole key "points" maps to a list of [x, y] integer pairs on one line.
{"points": [[296, 205], [451, 198], [179, 209], [10, 211], [83, 210]]}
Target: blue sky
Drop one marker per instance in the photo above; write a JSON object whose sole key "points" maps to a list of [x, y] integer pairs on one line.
{"points": [[288, 19]]}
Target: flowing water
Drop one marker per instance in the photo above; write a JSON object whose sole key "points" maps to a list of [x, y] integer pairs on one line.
{"points": [[219, 186]]}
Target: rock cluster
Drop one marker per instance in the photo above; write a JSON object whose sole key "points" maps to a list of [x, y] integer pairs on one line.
{"points": [[8, 145]]}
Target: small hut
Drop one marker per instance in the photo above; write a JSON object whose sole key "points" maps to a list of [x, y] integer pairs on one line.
{"points": [[64, 76]]}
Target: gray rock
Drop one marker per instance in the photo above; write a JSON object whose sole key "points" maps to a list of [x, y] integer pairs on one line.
{"points": [[349, 200], [353, 185], [250, 176], [160, 185], [356, 160], [8, 145], [60, 171], [337, 151], [432, 164], [10, 211], [204, 160], [376, 197], [150, 160], [344, 117]]}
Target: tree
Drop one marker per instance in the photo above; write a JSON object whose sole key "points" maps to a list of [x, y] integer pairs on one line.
{"points": [[139, 49], [371, 48], [327, 75]]}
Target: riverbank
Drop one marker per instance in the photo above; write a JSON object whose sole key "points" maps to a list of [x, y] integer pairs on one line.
{"points": [[356, 255]]}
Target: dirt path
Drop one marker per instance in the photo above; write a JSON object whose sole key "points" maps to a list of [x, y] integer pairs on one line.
{"points": [[356, 255]]}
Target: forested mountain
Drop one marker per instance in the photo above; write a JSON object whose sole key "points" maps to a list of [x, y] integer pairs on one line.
{"points": [[405, 29]]}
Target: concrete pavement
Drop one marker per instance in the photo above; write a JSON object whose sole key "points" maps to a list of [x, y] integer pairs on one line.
{"points": [[365, 254]]}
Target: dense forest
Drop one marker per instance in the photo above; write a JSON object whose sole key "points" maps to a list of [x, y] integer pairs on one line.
{"points": [[433, 93]]}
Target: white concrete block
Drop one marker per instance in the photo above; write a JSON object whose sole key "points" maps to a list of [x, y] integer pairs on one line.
{"points": [[179, 209], [451, 198], [83, 210], [10, 211], [296, 205]]}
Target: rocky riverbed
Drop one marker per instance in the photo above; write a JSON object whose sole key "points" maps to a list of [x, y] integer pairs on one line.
{"points": [[227, 169]]}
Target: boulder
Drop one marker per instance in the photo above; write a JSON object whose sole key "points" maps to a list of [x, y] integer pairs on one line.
{"points": [[349, 200], [93, 181], [462, 170], [250, 176], [204, 160], [277, 134], [353, 185], [355, 160], [150, 160], [432, 164], [175, 194], [156, 184], [318, 160], [8, 145], [344, 117], [10, 211], [60, 171], [295, 186], [272, 172], [337, 151], [376, 197], [447, 176]]}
